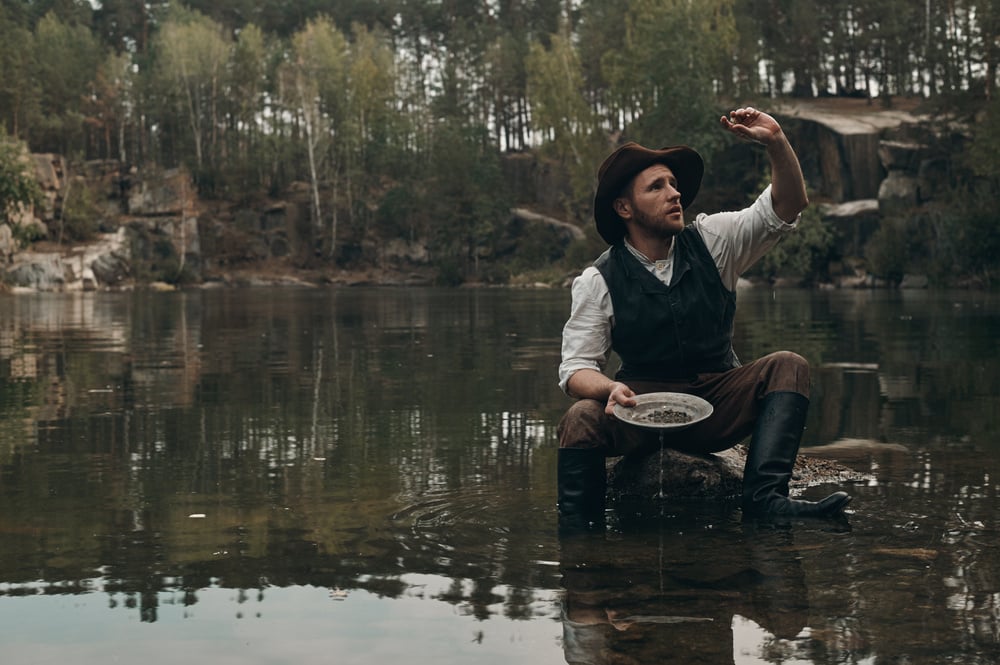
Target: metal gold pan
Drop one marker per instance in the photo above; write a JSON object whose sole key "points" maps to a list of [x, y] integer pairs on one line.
{"points": [[642, 414]]}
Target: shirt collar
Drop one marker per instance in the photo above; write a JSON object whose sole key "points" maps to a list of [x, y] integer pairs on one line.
{"points": [[646, 261]]}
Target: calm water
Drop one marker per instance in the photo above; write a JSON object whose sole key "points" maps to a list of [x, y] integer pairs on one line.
{"points": [[368, 476]]}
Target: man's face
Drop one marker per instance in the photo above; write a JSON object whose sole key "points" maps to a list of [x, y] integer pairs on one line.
{"points": [[652, 206]]}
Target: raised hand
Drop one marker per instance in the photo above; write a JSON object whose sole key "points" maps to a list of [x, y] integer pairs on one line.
{"points": [[752, 125]]}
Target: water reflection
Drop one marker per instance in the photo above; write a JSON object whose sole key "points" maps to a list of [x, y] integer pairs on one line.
{"points": [[682, 594], [386, 457]]}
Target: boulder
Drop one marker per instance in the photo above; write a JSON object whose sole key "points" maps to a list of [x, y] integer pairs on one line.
{"points": [[110, 269], [845, 164], [168, 192], [167, 246], [898, 192], [901, 155], [671, 474], [40, 272], [853, 224]]}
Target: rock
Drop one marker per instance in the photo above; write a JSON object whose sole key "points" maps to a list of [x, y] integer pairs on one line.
{"points": [[166, 246], [914, 282], [854, 223], [40, 272], [854, 282], [898, 192], [683, 475], [901, 155], [399, 250], [569, 231], [845, 164], [110, 269], [713, 476], [168, 193], [49, 170]]}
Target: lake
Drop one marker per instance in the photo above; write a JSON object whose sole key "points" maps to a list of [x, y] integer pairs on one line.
{"points": [[367, 475]]}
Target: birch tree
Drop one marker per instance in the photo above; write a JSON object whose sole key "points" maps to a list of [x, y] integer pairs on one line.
{"points": [[560, 112], [314, 83], [193, 56], [369, 103]]}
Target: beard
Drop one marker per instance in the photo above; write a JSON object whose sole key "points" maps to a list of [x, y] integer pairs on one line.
{"points": [[657, 225]]}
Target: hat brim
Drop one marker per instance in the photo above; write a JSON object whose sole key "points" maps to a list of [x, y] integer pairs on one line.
{"points": [[628, 161]]}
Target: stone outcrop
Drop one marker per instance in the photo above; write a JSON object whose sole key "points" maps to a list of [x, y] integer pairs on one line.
{"points": [[847, 164], [150, 230], [853, 222], [870, 163], [104, 263], [160, 193]]}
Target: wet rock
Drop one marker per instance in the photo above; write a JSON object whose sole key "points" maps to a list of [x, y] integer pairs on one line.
{"points": [[683, 475], [714, 476]]}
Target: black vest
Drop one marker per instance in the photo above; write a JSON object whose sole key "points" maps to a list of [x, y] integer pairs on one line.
{"points": [[670, 332]]}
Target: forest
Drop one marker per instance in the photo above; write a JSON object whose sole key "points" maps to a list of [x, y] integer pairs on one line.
{"points": [[398, 113]]}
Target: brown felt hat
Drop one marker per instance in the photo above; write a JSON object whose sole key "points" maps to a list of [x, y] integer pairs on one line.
{"points": [[628, 161]]}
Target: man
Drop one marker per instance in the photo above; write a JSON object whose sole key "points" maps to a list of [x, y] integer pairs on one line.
{"points": [[663, 297]]}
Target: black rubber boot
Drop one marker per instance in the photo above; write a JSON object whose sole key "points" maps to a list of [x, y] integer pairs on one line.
{"points": [[582, 483], [773, 449]]}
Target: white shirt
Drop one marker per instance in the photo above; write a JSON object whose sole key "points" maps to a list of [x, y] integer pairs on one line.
{"points": [[736, 240]]}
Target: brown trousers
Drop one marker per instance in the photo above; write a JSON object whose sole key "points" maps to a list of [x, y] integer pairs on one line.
{"points": [[734, 395]]}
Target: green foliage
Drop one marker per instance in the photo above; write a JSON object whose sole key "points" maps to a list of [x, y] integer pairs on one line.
{"points": [[561, 112], [80, 213], [192, 56], [155, 258], [18, 187], [664, 72], [966, 237], [66, 59], [983, 156], [465, 201], [955, 238], [896, 248], [803, 254], [536, 246], [397, 214], [20, 89]]}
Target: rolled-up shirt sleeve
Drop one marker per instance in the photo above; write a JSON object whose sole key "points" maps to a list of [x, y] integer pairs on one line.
{"points": [[739, 239], [586, 338]]}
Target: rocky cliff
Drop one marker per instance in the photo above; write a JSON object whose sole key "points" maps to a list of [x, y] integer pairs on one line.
{"points": [[864, 163]]}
